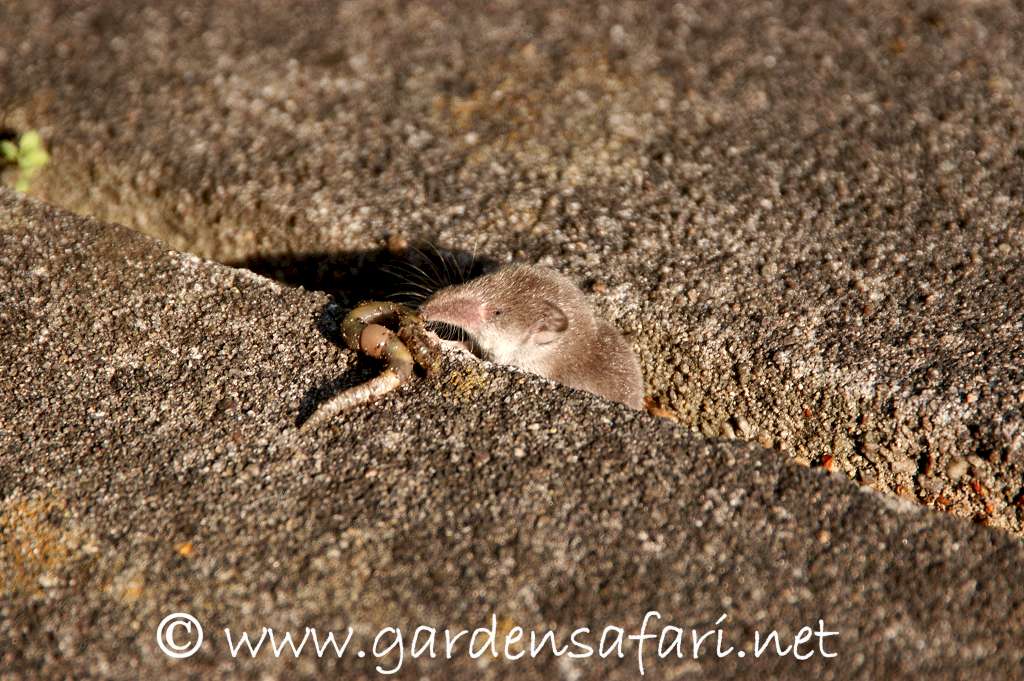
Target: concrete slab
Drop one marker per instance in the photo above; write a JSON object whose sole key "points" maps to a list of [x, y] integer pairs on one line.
{"points": [[808, 213], [149, 464]]}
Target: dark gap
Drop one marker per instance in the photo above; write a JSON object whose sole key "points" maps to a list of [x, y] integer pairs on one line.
{"points": [[407, 275]]}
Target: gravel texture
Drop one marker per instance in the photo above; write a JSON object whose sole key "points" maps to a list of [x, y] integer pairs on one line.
{"points": [[149, 463], [807, 214]]}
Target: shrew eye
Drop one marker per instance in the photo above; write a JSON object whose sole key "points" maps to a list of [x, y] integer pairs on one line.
{"points": [[496, 313]]}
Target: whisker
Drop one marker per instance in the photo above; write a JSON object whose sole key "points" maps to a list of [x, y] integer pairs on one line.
{"points": [[408, 274], [406, 268], [439, 278], [443, 259], [472, 260], [412, 298], [422, 286]]}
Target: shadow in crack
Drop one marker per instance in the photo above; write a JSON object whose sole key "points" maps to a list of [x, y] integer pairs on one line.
{"points": [[404, 275]]}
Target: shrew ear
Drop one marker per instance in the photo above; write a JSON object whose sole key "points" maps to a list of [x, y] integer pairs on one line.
{"points": [[551, 324]]}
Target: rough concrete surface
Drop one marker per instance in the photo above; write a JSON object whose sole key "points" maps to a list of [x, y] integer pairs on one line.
{"points": [[150, 464], [809, 215]]}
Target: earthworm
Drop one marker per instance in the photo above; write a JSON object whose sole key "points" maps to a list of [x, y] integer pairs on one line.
{"points": [[362, 330]]}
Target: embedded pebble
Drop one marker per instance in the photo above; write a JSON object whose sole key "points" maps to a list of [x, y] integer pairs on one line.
{"points": [[904, 466], [956, 469]]}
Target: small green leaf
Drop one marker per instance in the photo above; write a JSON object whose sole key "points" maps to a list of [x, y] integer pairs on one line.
{"points": [[9, 150], [30, 141], [21, 185], [36, 158]]}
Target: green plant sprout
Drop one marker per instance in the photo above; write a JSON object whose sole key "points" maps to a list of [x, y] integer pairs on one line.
{"points": [[29, 154]]}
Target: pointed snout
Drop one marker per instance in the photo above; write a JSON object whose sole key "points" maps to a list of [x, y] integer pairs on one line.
{"points": [[458, 310]]}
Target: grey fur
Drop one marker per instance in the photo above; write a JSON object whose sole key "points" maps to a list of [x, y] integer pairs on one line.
{"points": [[535, 318]]}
